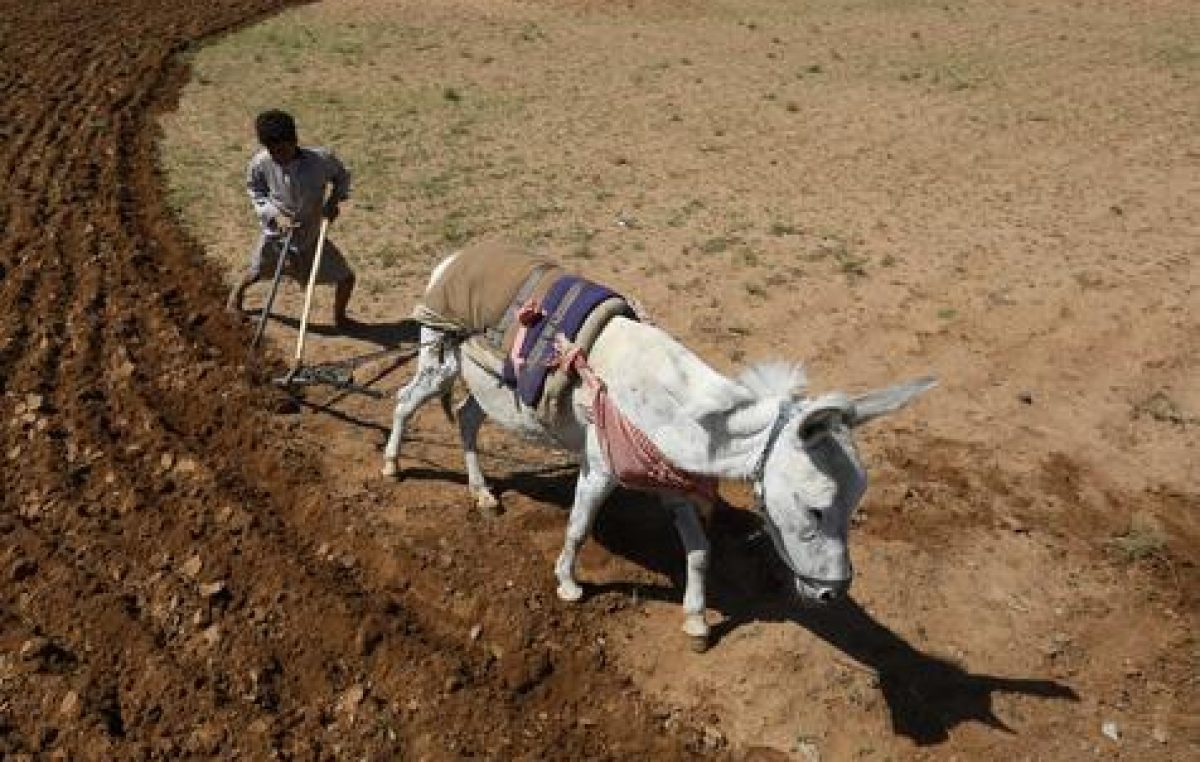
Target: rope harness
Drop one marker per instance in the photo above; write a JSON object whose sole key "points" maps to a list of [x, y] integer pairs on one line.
{"points": [[787, 410]]}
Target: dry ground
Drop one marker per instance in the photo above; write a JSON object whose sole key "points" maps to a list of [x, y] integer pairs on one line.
{"points": [[998, 193], [1002, 194]]}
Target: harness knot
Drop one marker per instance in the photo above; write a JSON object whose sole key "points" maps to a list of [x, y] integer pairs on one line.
{"points": [[530, 312]]}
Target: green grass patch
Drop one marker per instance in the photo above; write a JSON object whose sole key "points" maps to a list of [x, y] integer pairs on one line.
{"points": [[1144, 539]]}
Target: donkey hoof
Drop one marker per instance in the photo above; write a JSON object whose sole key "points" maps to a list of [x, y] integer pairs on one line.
{"points": [[486, 502], [696, 629], [569, 592], [390, 468]]}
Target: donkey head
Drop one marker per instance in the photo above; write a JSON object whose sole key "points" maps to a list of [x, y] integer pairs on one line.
{"points": [[809, 479]]}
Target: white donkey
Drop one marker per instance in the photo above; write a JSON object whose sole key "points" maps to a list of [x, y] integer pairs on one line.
{"points": [[797, 451]]}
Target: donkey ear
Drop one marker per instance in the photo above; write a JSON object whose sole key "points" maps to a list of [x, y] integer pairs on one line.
{"points": [[874, 404]]}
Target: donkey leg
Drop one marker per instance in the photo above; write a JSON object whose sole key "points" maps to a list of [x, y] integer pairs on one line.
{"points": [[437, 367], [695, 543], [593, 486], [470, 417]]}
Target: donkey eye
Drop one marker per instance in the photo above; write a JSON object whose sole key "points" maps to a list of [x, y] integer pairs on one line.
{"points": [[811, 429], [818, 424]]}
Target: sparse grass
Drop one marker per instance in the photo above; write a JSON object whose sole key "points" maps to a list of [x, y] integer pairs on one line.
{"points": [[1175, 47], [837, 249], [388, 257], [716, 245], [683, 215], [747, 258], [535, 126], [956, 77], [531, 32], [1144, 539], [780, 278], [1181, 55], [1161, 407], [455, 228], [580, 243], [435, 186], [851, 265]]}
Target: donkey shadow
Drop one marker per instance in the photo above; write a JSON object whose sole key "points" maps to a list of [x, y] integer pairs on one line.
{"points": [[926, 695], [385, 335]]}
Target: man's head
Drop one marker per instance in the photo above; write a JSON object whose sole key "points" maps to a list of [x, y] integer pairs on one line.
{"points": [[276, 131]]}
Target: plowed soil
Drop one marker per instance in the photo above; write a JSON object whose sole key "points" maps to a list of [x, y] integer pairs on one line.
{"points": [[188, 566], [176, 578]]}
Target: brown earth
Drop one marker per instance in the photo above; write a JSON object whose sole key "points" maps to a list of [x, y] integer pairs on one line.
{"points": [[184, 572], [176, 578]]}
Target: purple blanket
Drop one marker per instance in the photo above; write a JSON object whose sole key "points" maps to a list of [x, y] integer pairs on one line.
{"points": [[564, 309]]}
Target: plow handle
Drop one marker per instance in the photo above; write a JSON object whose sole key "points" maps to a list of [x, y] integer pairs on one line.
{"points": [[308, 295], [266, 313]]}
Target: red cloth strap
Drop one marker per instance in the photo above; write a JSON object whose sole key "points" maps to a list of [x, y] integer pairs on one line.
{"points": [[528, 314], [633, 458]]}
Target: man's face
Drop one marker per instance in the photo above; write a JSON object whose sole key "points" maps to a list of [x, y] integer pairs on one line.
{"points": [[282, 153]]}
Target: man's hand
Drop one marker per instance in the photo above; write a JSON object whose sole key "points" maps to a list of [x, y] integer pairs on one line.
{"points": [[331, 210], [284, 222]]}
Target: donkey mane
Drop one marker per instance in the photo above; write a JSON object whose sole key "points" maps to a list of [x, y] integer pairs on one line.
{"points": [[774, 379]]}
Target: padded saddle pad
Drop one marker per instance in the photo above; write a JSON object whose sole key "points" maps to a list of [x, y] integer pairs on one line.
{"points": [[564, 309], [479, 295], [479, 286]]}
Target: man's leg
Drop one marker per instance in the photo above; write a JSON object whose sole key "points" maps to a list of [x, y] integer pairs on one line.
{"points": [[336, 270], [341, 298]]}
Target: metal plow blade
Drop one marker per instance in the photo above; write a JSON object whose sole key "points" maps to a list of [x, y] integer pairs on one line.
{"points": [[326, 375]]}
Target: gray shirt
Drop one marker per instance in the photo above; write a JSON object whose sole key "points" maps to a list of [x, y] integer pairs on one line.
{"points": [[297, 190]]}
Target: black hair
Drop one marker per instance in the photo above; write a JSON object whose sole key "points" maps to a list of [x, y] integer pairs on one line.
{"points": [[274, 127]]}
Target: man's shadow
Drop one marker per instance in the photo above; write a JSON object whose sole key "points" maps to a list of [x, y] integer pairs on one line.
{"points": [[747, 582]]}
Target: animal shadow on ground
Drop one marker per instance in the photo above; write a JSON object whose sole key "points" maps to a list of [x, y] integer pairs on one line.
{"points": [[400, 342], [386, 335], [543, 483], [926, 695]]}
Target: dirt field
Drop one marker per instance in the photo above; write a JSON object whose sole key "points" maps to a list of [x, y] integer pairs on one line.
{"points": [[1002, 194]]}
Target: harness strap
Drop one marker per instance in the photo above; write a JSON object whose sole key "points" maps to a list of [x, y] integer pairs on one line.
{"points": [[571, 357], [495, 335], [786, 411], [543, 350], [528, 314], [631, 455]]}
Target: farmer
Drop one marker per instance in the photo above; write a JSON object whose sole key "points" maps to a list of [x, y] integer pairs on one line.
{"points": [[287, 183]]}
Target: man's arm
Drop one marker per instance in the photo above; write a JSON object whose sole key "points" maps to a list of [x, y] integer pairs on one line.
{"points": [[270, 216], [339, 179]]}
